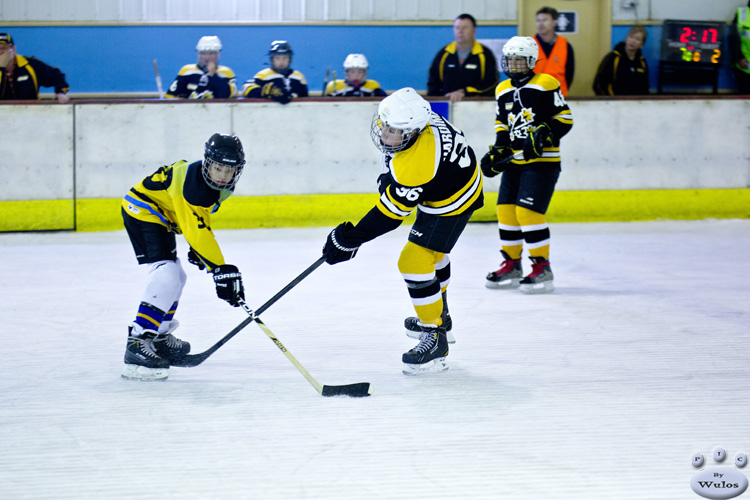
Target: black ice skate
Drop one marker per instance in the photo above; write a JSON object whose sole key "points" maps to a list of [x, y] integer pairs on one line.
{"points": [[508, 276], [414, 327], [170, 347], [429, 355], [541, 278], [141, 360]]}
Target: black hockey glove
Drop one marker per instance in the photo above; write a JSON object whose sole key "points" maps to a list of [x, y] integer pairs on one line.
{"points": [[534, 144], [384, 180], [195, 260], [228, 282], [342, 243], [272, 91], [496, 160]]}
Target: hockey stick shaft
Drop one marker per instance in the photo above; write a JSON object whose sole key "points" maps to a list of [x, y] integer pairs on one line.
{"points": [[158, 80], [325, 81], [191, 360], [353, 390]]}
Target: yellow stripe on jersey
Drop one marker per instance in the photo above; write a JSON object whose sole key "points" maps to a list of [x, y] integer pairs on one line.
{"points": [[457, 203], [392, 208], [565, 117], [418, 164]]}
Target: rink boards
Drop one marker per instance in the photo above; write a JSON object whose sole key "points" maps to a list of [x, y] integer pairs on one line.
{"points": [[312, 163]]}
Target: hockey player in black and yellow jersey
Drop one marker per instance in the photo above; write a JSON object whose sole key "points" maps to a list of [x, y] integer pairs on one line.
{"points": [[356, 83], [432, 169], [206, 79], [280, 82], [177, 199], [532, 116]]}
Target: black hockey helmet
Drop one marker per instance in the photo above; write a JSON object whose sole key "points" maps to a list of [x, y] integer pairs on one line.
{"points": [[224, 151], [280, 48]]}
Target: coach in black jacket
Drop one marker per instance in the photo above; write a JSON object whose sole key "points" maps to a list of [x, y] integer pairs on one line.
{"points": [[21, 77], [463, 68]]}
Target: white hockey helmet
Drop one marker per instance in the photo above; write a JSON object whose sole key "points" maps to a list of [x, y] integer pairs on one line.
{"points": [[209, 44], [400, 118], [520, 46], [355, 61]]}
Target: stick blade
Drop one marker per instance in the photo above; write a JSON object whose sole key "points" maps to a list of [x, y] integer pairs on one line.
{"points": [[361, 390]]}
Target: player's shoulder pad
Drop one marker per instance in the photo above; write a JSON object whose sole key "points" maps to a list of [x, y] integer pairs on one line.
{"points": [[417, 165], [266, 73], [298, 76], [190, 69], [503, 87], [371, 84], [225, 71], [335, 86], [543, 81]]}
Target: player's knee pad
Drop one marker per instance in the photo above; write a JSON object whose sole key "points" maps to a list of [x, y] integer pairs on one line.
{"points": [[506, 215], [166, 279], [416, 259], [528, 217]]}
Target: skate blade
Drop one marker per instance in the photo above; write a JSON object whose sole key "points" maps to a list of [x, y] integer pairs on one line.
{"points": [[415, 335], [537, 288], [137, 372], [503, 285], [437, 365]]}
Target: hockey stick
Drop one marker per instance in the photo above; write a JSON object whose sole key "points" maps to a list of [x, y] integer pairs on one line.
{"points": [[158, 80], [325, 81], [359, 390], [191, 360]]}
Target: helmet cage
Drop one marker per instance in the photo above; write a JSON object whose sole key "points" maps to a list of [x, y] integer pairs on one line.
{"points": [[223, 152], [208, 164], [378, 128]]}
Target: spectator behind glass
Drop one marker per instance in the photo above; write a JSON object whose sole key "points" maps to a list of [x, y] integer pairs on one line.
{"points": [[739, 44], [556, 56], [624, 70], [205, 80], [355, 83], [21, 77], [280, 82], [463, 68]]}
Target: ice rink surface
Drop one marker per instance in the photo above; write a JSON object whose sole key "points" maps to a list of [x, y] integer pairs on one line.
{"points": [[602, 390]]}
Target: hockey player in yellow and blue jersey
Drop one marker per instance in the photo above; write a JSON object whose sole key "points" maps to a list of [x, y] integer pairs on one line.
{"points": [[280, 82], [356, 83], [532, 116], [205, 80], [177, 199], [432, 169]]}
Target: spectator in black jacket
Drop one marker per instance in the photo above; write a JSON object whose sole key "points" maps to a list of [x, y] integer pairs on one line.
{"points": [[21, 77], [624, 70], [463, 68]]}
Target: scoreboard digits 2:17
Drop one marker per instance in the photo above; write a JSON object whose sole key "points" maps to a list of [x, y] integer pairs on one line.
{"points": [[692, 42]]}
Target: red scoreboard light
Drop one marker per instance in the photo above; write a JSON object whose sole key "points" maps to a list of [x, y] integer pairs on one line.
{"points": [[692, 42]]}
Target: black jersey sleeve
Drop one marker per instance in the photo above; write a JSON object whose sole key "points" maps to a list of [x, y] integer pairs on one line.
{"points": [[49, 76]]}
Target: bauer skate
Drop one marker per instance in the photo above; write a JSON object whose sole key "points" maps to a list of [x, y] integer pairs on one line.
{"points": [[429, 355], [168, 346], [141, 360]]}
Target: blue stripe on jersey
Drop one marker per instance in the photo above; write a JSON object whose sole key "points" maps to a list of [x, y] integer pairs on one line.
{"points": [[146, 206]]}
